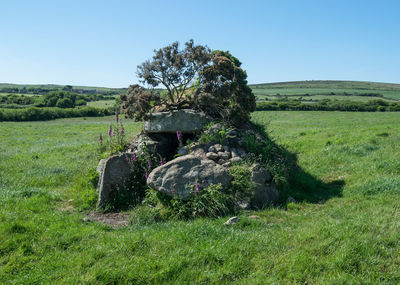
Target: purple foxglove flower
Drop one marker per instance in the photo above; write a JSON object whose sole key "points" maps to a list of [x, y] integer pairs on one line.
{"points": [[116, 116], [110, 131], [149, 163], [161, 161], [178, 135], [134, 156], [122, 131], [146, 175], [101, 139], [196, 188], [118, 140]]}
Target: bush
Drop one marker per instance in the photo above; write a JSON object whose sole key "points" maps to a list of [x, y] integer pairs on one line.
{"points": [[196, 78], [65, 103]]}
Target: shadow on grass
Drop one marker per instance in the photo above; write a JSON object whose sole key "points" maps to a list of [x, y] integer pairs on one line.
{"points": [[305, 187], [291, 178]]}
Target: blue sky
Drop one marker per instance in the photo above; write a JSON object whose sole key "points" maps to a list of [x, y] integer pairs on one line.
{"points": [[100, 43]]}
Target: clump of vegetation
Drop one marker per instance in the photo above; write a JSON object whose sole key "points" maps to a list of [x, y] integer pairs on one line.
{"points": [[195, 77]]}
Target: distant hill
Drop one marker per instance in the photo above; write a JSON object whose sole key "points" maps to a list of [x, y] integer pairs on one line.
{"points": [[323, 89]]}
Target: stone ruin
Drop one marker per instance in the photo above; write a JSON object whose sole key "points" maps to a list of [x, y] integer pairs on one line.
{"points": [[207, 163]]}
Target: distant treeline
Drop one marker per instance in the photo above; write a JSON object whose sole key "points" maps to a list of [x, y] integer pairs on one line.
{"points": [[43, 114], [330, 105], [62, 99], [42, 91], [329, 94]]}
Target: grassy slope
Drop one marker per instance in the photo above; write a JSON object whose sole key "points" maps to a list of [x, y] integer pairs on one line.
{"points": [[351, 238], [325, 87]]}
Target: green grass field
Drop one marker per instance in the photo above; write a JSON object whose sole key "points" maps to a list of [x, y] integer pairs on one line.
{"points": [[101, 103], [353, 237]]}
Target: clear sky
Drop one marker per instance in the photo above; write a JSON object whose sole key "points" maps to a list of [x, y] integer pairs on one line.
{"points": [[100, 43]]}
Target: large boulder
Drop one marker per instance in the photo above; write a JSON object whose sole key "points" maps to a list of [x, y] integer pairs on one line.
{"points": [[178, 177], [114, 174], [264, 192], [186, 121]]}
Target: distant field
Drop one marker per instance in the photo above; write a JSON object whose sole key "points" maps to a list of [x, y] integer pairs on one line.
{"points": [[101, 103], [332, 89]]}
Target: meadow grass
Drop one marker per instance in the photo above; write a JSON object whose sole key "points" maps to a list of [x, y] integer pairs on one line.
{"points": [[351, 238]]}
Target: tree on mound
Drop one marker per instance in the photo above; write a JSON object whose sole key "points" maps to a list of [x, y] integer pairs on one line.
{"points": [[196, 78]]}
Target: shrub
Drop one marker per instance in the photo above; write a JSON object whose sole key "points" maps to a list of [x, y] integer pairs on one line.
{"points": [[196, 78]]}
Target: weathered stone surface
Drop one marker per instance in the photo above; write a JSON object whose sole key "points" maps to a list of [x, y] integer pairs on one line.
{"points": [[212, 149], [264, 192], [260, 175], [232, 221], [100, 166], [116, 173], [186, 121], [212, 156], [177, 177], [183, 151], [218, 148], [200, 151], [226, 155], [235, 159]]}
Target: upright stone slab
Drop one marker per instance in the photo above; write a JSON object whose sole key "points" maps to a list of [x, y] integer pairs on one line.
{"points": [[178, 177], [186, 121], [264, 192], [114, 175]]}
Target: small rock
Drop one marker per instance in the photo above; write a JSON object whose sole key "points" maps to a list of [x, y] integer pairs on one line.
{"points": [[212, 149], [220, 154], [212, 156], [254, 217], [233, 133], [87, 220], [235, 159], [225, 155], [244, 205], [218, 148], [232, 221], [226, 148], [221, 161], [183, 151], [290, 200], [234, 152], [227, 164]]}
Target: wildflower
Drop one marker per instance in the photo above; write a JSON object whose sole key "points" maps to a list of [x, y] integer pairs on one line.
{"points": [[118, 140], [116, 116], [146, 175], [101, 139], [110, 131], [149, 163], [134, 156], [122, 131], [196, 187], [161, 161], [178, 135]]}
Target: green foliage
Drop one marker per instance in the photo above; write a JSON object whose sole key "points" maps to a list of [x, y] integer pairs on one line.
{"points": [[43, 114], [195, 78]]}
